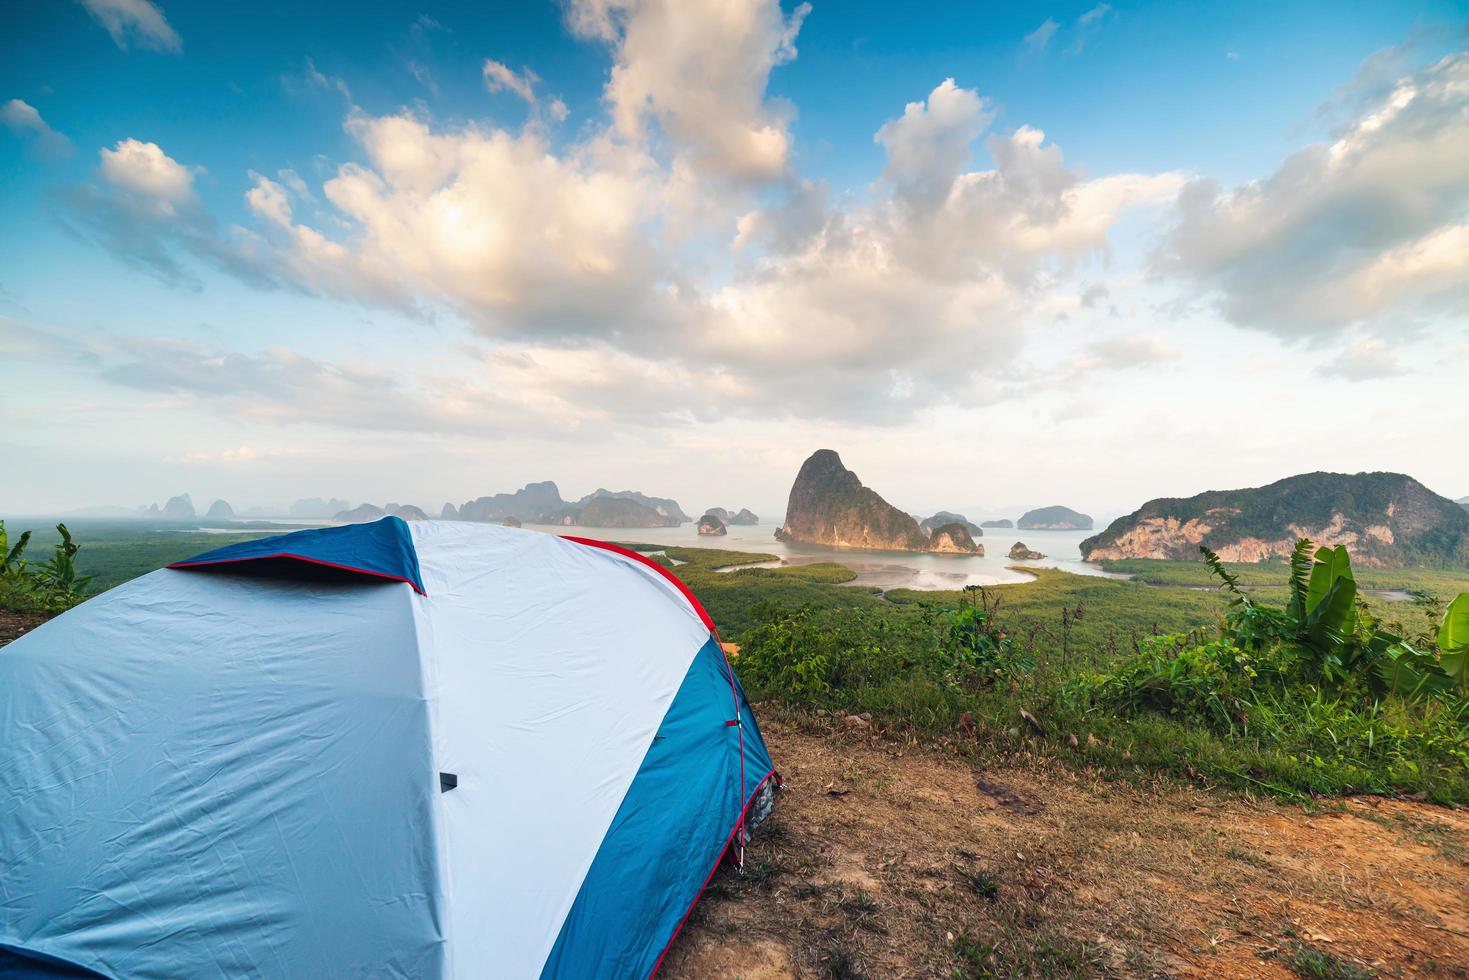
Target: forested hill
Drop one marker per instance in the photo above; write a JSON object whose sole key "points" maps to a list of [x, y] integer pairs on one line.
{"points": [[1388, 520]]}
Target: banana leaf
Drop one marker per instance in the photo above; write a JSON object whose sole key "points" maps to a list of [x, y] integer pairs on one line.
{"points": [[1332, 618], [1409, 673], [1331, 564], [1453, 642]]}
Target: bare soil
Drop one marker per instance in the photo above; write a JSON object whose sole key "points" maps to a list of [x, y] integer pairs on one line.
{"points": [[12, 625], [883, 859]]}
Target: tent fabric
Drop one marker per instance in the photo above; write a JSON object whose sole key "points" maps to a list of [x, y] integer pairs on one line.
{"points": [[223, 775], [599, 936], [382, 549], [205, 776]]}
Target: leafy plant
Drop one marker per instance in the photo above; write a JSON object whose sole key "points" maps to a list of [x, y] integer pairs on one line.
{"points": [[49, 587], [1453, 642], [1327, 622]]}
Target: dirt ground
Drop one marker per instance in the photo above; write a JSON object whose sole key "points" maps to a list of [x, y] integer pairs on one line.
{"points": [[12, 625], [886, 860]]}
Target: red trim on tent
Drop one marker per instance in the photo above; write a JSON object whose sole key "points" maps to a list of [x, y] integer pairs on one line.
{"points": [[710, 876], [309, 561], [672, 578]]}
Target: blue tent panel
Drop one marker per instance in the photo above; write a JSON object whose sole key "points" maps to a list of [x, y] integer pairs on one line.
{"points": [[669, 833], [382, 549]]}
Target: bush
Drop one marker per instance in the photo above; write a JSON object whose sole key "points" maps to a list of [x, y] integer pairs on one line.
{"points": [[47, 588]]}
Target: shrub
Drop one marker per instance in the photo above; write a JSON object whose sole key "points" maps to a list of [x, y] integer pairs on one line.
{"points": [[47, 588]]}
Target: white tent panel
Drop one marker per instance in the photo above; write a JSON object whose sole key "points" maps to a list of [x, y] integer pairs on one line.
{"points": [[549, 665]]}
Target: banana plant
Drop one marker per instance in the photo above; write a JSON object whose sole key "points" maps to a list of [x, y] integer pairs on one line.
{"points": [[60, 570], [10, 560], [1327, 619], [1453, 642]]}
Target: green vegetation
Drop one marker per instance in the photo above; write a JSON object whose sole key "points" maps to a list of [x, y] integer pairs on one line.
{"points": [[118, 550], [43, 588]]}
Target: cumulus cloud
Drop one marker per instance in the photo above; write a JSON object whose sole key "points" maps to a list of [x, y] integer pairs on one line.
{"points": [[144, 169], [24, 120], [135, 23], [1366, 229], [144, 210], [1366, 360], [929, 144], [699, 69], [874, 306], [897, 302]]}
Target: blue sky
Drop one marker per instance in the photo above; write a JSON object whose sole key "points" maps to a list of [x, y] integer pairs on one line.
{"points": [[430, 251]]}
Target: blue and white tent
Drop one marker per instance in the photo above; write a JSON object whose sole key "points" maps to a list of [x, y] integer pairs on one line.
{"points": [[438, 749]]}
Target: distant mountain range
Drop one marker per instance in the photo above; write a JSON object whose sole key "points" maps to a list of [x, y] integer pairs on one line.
{"points": [[1386, 520], [541, 503], [538, 503]]}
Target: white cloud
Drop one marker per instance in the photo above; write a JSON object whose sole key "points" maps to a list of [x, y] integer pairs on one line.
{"points": [[872, 309], [929, 144], [491, 223], [1366, 229], [144, 169], [1094, 16], [317, 79], [1367, 360], [499, 78], [1125, 351], [269, 200], [25, 120], [1037, 39], [135, 22], [699, 69]]}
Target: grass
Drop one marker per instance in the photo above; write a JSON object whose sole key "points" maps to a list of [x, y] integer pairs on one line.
{"points": [[1317, 964]]}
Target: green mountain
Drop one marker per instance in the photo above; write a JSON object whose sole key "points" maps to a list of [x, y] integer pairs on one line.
{"points": [[1056, 518], [1387, 520]]}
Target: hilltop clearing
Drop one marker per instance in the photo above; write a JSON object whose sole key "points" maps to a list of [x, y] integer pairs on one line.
{"points": [[885, 859]]}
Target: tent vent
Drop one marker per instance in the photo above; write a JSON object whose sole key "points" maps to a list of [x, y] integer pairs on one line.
{"points": [[447, 781]]}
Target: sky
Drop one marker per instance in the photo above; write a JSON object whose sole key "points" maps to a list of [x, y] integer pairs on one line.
{"points": [[996, 255]]}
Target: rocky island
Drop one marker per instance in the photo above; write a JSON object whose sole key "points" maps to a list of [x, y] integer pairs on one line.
{"points": [[1019, 552], [1387, 520], [711, 523], [953, 539], [929, 524], [1002, 522], [830, 506], [619, 511], [1055, 518]]}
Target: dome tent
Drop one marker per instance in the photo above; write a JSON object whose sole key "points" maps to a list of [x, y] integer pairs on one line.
{"points": [[438, 749]]}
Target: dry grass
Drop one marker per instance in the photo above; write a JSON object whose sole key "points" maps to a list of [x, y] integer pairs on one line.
{"points": [[887, 860]]}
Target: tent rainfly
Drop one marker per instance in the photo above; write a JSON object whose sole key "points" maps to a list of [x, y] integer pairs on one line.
{"points": [[426, 750]]}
